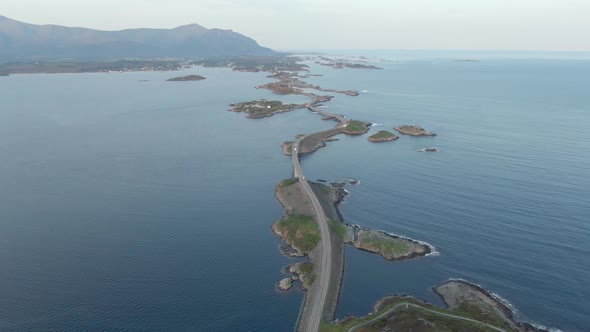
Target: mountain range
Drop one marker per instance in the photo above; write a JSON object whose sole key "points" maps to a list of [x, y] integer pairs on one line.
{"points": [[19, 40]]}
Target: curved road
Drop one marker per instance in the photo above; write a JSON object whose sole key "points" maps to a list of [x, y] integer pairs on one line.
{"points": [[323, 266], [406, 304]]}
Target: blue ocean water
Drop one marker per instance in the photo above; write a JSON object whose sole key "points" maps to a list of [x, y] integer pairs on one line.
{"points": [[131, 205], [505, 200]]}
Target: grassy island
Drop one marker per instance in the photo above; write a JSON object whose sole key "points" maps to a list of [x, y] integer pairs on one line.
{"points": [[383, 136], [355, 127], [187, 78], [263, 108], [388, 246]]}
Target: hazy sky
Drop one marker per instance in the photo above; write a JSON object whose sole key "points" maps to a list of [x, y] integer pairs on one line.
{"points": [[344, 24]]}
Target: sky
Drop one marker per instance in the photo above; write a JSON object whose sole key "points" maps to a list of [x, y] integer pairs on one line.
{"points": [[555, 25]]}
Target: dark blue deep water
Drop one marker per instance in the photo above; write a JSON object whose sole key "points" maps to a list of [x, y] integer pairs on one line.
{"points": [[129, 205]]}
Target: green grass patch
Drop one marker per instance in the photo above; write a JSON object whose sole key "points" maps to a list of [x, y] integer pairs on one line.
{"points": [[327, 189], [288, 182], [337, 228], [355, 126], [383, 135], [480, 312], [262, 108], [385, 246], [300, 231], [306, 267], [408, 319]]}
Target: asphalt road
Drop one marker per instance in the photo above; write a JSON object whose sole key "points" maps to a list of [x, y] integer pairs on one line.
{"points": [[323, 266], [316, 297]]}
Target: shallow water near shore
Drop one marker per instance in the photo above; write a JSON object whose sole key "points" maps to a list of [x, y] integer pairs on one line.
{"points": [[147, 206]]}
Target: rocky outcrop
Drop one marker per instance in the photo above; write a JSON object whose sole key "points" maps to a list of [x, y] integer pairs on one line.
{"points": [[428, 150], [413, 130], [463, 296], [285, 284]]}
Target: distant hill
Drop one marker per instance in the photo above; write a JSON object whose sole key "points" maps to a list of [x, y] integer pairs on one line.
{"points": [[19, 40]]}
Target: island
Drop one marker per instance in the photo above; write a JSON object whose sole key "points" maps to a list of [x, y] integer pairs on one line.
{"points": [[263, 108], [391, 247], [413, 130], [186, 78], [383, 136], [355, 127]]}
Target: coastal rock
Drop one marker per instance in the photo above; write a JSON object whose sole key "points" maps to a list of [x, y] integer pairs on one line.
{"points": [[303, 272], [413, 130], [481, 304], [287, 147], [285, 284], [428, 150]]}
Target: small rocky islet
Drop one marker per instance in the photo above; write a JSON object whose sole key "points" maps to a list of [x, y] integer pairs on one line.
{"points": [[413, 130]]}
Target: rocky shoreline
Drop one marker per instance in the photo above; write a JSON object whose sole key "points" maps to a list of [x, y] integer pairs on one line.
{"points": [[457, 293], [377, 242]]}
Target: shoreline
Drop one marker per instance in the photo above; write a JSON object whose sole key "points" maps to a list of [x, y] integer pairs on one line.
{"points": [[499, 302]]}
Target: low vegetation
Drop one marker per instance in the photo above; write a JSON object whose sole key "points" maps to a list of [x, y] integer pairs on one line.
{"points": [[187, 78], [382, 136], [299, 231], [386, 247], [413, 130], [355, 127], [288, 182], [304, 271], [337, 228], [482, 313], [262, 108], [407, 318]]}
